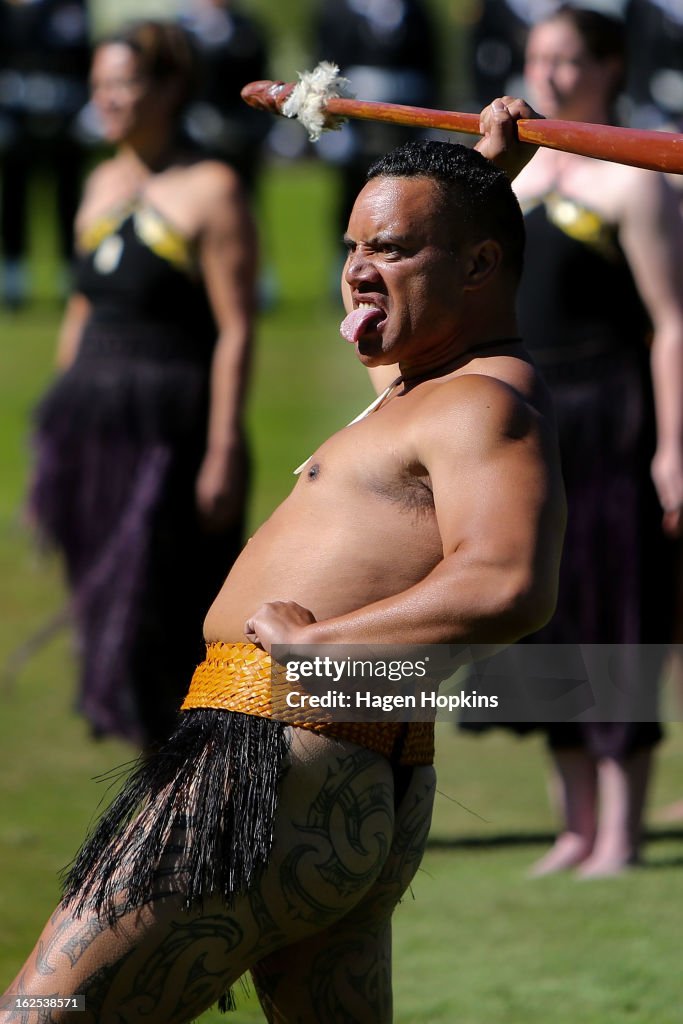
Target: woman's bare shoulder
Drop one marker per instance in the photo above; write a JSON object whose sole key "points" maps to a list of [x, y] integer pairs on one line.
{"points": [[106, 187], [108, 173], [212, 175]]}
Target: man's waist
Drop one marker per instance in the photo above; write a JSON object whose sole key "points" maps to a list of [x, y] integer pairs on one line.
{"points": [[240, 677]]}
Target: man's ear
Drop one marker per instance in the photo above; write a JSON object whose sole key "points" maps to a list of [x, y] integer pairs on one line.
{"points": [[483, 261]]}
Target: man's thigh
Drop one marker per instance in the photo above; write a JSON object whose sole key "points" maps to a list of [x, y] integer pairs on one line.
{"points": [[343, 974], [163, 964]]}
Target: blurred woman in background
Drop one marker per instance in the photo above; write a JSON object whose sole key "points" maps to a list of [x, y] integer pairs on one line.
{"points": [[141, 464], [601, 310]]}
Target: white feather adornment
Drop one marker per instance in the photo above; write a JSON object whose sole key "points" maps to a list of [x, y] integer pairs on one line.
{"points": [[307, 102]]}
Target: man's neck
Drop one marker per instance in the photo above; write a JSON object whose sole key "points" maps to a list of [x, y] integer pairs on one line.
{"points": [[413, 375]]}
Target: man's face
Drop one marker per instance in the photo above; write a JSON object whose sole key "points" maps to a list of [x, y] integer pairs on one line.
{"points": [[400, 263]]}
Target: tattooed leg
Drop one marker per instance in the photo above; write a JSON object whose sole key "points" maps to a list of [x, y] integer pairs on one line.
{"points": [[158, 964], [335, 846], [164, 965], [343, 975]]}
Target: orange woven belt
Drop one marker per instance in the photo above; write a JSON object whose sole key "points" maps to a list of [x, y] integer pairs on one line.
{"points": [[238, 677]]}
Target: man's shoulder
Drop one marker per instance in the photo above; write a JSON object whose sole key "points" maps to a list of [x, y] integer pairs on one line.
{"points": [[475, 410], [462, 393]]}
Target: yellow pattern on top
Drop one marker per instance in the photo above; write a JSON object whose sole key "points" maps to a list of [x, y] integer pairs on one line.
{"points": [[92, 236], [163, 239], [579, 222], [152, 229]]}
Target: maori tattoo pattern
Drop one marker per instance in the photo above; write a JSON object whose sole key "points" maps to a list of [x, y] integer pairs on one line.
{"points": [[344, 842], [185, 971], [343, 974], [351, 980], [349, 857]]}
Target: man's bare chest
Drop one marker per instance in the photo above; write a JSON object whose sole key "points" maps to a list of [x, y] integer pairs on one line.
{"points": [[369, 462]]}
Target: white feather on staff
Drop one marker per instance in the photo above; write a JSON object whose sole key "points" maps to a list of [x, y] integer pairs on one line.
{"points": [[311, 93]]}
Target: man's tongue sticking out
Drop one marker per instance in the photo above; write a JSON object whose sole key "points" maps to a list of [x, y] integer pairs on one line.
{"points": [[359, 321]]}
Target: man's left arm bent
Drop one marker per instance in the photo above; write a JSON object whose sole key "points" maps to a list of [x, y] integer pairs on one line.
{"points": [[499, 507]]}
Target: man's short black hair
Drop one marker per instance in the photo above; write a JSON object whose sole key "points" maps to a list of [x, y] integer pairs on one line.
{"points": [[477, 196]]}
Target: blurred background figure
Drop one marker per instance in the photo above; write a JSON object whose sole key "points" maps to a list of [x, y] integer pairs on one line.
{"points": [[655, 63], [601, 310], [232, 50], [498, 41], [655, 100], [602, 282], [141, 463], [44, 59], [497, 45], [387, 49]]}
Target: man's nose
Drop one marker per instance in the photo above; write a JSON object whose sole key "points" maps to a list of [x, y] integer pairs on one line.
{"points": [[359, 268]]}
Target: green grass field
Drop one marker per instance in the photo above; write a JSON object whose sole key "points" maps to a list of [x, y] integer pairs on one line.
{"points": [[478, 943]]}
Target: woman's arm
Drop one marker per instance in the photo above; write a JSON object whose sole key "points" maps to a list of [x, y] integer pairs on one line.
{"points": [[651, 233], [71, 330], [228, 256]]}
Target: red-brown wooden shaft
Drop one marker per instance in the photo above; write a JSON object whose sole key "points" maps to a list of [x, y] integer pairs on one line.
{"points": [[657, 151]]}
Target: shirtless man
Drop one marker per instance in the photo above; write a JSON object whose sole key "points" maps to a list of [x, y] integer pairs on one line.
{"points": [[436, 519]]}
